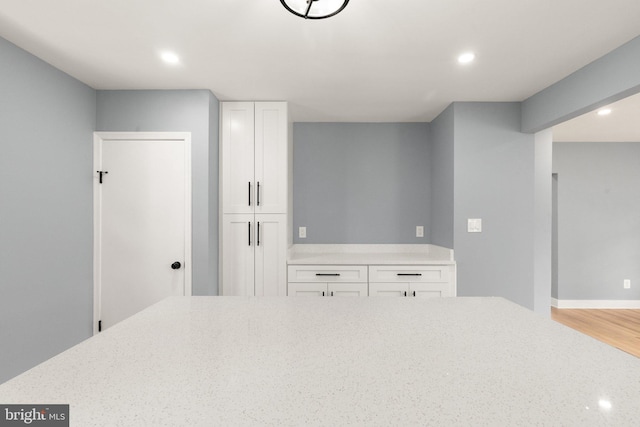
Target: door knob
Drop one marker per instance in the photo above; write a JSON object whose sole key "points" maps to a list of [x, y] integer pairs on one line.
{"points": [[176, 265]]}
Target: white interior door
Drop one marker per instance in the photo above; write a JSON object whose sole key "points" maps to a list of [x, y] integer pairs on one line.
{"points": [[142, 212]]}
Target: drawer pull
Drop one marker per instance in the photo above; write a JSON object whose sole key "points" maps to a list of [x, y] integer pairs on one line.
{"points": [[409, 274], [327, 274]]}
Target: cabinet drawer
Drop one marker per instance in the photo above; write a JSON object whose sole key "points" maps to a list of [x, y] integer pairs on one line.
{"points": [[409, 273], [327, 273]]}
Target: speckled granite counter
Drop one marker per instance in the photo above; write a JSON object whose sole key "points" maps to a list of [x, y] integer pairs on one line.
{"points": [[318, 254], [232, 361]]}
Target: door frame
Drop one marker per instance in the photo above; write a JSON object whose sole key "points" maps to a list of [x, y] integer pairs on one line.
{"points": [[98, 139]]}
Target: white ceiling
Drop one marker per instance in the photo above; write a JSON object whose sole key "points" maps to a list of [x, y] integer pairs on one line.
{"points": [[378, 60]]}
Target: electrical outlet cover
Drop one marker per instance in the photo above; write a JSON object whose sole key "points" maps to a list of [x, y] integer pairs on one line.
{"points": [[474, 225]]}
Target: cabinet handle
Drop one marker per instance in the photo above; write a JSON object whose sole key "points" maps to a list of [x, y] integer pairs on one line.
{"points": [[249, 193], [414, 293], [327, 274], [322, 293], [258, 197], [331, 293], [258, 234], [409, 274], [405, 293], [249, 234]]}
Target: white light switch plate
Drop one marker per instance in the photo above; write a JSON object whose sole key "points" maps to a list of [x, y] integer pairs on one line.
{"points": [[419, 231], [474, 225], [302, 232]]}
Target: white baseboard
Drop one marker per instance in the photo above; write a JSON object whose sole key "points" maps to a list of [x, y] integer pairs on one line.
{"points": [[585, 303]]}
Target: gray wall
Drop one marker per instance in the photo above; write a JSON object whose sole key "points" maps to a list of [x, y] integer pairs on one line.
{"points": [[442, 188], [598, 219], [494, 180], [192, 111], [361, 182], [543, 224], [554, 236], [607, 79], [46, 203]]}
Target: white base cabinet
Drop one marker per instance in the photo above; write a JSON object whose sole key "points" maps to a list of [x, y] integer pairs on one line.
{"points": [[327, 280], [422, 281], [433, 281]]}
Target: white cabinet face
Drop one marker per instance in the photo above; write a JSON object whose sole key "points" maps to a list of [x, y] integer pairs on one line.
{"points": [[238, 180], [271, 157], [328, 289], [270, 255], [426, 290], [388, 289], [238, 234], [307, 289], [328, 273], [347, 289], [412, 273]]}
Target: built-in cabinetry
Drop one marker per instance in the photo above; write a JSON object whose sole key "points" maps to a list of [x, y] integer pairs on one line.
{"points": [[331, 281], [431, 281], [427, 281], [254, 172]]}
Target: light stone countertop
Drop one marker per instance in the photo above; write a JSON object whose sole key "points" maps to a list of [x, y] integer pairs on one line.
{"points": [[235, 361], [327, 254]]}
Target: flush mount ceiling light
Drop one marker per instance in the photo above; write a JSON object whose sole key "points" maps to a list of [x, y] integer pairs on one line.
{"points": [[466, 58], [314, 9], [169, 57], [604, 112]]}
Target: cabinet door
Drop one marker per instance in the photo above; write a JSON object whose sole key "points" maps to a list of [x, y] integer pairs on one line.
{"points": [[238, 234], [307, 289], [347, 289], [237, 145], [271, 157], [388, 289], [428, 290], [271, 255]]}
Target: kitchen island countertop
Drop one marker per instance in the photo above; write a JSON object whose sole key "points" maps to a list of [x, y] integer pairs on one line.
{"points": [[204, 361]]}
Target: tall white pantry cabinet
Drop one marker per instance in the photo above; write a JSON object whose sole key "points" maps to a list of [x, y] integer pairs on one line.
{"points": [[255, 174]]}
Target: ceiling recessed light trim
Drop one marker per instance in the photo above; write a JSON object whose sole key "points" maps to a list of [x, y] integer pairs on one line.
{"points": [[466, 58], [315, 9], [169, 58], [604, 111]]}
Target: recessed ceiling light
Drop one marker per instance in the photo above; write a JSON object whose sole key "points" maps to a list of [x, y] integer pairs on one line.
{"points": [[466, 57], [170, 57], [604, 112]]}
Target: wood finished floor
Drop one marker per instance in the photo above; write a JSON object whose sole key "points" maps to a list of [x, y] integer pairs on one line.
{"points": [[619, 328]]}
